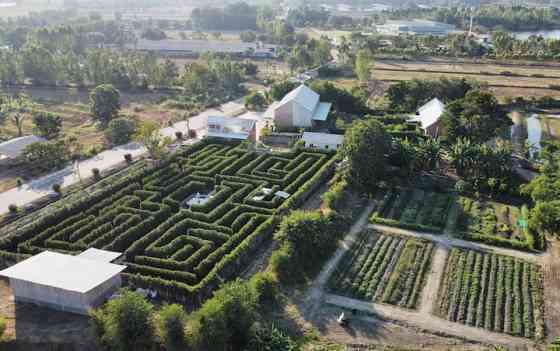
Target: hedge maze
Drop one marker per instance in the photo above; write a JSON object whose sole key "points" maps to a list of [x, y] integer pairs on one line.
{"points": [[412, 209], [182, 251], [495, 292], [383, 268]]}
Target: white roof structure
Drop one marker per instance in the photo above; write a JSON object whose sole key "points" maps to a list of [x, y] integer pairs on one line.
{"points": [[230, 127], [100, 255], [66, 272], [14, 147], [304, 96], [430, 113], [322, 138]]}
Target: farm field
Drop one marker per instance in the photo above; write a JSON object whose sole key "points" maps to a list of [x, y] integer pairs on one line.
{"points": [[412, 209], [383, 268], [494, 223], [495, 292], [185, 225]]}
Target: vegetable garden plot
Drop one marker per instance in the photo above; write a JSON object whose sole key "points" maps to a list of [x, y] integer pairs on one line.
{"points": [[184, 253], [495, 223], [495, 292], [412, 209], [383, 268]]}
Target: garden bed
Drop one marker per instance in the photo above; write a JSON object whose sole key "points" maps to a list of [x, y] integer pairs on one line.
{"points": [[414, 209], [494, 292], [383, 268]]}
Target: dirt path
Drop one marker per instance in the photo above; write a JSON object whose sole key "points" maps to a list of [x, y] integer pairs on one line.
{"points": [[449, 242], [429, 322], [429, 294], [551, 277], [314, 295]]}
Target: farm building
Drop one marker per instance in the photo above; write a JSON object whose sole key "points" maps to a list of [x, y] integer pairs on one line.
{"points": [[64, 282], [12, 149], [322, 140], [429, 116], [231, 128], [300, 108], [415, 27]]}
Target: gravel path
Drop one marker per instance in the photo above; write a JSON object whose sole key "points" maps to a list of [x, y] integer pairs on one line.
{"points": [[429, 322], [449, 242]]}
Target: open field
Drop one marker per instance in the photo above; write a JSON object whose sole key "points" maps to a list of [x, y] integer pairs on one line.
{"points": [[383, 268], [495, 292], [181, 249], [412, 208]]}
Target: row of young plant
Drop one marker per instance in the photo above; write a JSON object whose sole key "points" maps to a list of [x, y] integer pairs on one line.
{"points": [[411, 209], [383, 268], [497, 224], [495, 292]]}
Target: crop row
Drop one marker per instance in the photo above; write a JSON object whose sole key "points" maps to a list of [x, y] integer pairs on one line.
{"points": [[383, 268], [495, 292]]}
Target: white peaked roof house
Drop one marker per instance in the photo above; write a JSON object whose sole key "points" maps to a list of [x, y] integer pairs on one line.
{"points": [[64, 282], [300, 108], [429, 117]]}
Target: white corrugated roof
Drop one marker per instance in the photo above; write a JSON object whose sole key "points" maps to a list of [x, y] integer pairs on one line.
{"points": [[322, 111], [230, 127], [100, 255], [429, 113], [14, 147], [303, 96], [66, 272], [322, 138]]}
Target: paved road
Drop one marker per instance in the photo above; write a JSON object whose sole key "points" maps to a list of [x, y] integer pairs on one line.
{"points": [[40, 187]]}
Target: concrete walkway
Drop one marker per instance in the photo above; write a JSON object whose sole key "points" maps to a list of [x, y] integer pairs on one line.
{"points": [[108, 159]]}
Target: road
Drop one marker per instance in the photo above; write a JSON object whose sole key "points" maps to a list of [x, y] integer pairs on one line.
{"points": [[108, 159]]}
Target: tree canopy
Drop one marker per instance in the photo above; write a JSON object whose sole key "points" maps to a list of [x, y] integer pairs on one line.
{"points": [[105, 103]]}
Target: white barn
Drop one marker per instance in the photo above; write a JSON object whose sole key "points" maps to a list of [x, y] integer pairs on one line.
{"points": [[323, 141], [67, 283], [300, 108]]}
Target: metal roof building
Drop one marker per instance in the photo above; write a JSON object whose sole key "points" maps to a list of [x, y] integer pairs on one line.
{"points": [[64, 282], [429, 116], [231, 128], [322, 140]]}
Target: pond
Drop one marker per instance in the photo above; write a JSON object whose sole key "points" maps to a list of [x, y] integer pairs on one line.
{"points": [[533, 130], [547, 34]]}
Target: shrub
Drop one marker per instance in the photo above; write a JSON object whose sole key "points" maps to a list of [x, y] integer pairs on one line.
{"points": [[179, 135], [57, 188], [171, 322], [96, 173], [128, 158], [120, 131], [125, 323], [19, 182], [2, 326], [265, 287]]}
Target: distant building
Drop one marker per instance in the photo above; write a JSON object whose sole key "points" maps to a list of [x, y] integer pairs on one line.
{"points": [[231, 128], [13, 148], [322, 140], [415, 27], [300, 108], [429, 117], [67, 283], [197, 47]]}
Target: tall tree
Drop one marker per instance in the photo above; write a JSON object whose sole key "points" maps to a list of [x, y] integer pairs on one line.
{"points": [[104, 103], [364, 149], [364, 65], [150, 135]]}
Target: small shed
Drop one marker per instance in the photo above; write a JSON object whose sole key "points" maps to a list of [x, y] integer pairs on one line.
{"points": [[67, 283], [324, 141], [231, 128], [429, 117]]}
